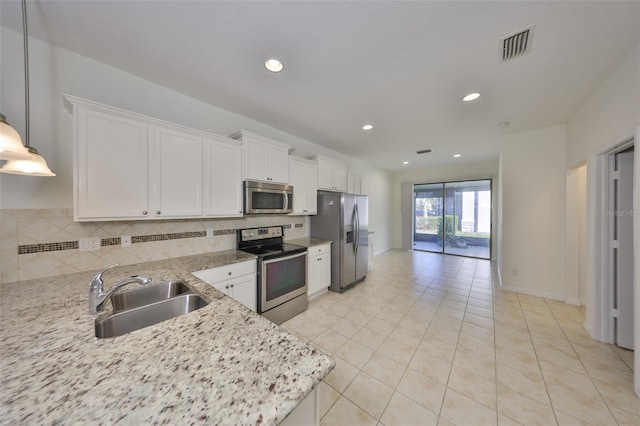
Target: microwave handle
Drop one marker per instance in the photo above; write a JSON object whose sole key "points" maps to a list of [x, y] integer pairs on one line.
{"points": [[286, 201]]}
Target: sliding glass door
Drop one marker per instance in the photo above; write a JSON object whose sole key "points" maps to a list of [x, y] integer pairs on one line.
{"points": [[453, 218]]}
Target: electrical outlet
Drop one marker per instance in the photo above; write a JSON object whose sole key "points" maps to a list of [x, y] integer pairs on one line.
{"points": [[209, 232], [293, 226], [89, 244], [125, 241]]}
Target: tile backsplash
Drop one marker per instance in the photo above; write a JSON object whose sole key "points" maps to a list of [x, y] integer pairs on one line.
{"points": [[36, 243]]}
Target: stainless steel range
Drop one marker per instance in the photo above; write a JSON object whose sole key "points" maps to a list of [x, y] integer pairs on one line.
{"points": [[282, 272]]}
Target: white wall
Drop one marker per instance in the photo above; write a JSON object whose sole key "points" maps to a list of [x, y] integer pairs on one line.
{"points": [[583, 250], [533, 212], [608, 117], [55, 71], [463, 171]]}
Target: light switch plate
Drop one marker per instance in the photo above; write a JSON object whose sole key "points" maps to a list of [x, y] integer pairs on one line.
{"points": [[89, 244]]}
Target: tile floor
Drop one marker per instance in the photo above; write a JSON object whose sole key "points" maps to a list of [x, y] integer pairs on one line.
{"points": [[430, 339]]}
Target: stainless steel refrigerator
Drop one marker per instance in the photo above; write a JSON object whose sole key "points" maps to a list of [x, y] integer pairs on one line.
{"points": [[344, 219]]}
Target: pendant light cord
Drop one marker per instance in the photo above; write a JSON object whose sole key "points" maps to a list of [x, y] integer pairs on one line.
{"points": [[26, 71]]}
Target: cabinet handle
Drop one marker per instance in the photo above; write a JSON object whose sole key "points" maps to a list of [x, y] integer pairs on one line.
{"points": [[319, 259], [144, 212], [157, 211], [232, 285]]}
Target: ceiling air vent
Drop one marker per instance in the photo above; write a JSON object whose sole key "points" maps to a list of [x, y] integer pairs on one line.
{"points": [[517, 44], [423, 151]]}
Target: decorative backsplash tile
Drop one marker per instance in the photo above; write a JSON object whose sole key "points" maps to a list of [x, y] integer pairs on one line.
{"points": [[36, 243]]}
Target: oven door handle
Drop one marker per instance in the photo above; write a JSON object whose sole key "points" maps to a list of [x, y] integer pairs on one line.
{"points": [[281, 258]]}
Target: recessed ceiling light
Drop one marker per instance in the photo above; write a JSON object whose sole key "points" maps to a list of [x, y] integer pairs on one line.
{"points": [[273, 65], [471, 97], [457, 155], [367, 126], [405, 162]]}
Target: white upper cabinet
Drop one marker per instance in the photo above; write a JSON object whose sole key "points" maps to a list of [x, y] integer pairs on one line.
{"points": [[110, 168], [355, 185], [332, 174], [128, 166], [223, 177], [263, 159], [304, 178], [175, 172]]}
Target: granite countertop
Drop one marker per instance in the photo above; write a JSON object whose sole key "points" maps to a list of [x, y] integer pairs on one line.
{"points": [[221, 364], [308, 242]]}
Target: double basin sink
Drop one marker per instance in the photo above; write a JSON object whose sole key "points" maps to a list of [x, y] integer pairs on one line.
{"points": [[146, 306]]}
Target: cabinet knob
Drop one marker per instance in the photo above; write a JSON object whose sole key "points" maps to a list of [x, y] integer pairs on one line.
{"points": [[319, 259], [157, 211], [226, 286], [144, 212], [232, 285], [229, 273]]}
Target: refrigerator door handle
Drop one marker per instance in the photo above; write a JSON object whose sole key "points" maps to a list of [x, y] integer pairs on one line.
{"points": [[354, 217], [357, 228]]}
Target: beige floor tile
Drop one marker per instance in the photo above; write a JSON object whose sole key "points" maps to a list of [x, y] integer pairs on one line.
{"points": [[346, 327], [528, 384], [360, 317], [431, 367], [506, 421], [476, 387], [609, 373], [619, 396], [384, 369], [345, 412], [475, 345], [330, 340], [438, 349], [461, 410], [569, 379], [369, 338], [480, 365], [523, 409], [397, 351], [369, 394], [325, 318], [327, 397], [565, 419], [625, 418], [473, 330], [521, 361], [590, 410], [421, 389], [355, 353], [342, 375], [338, 310], [407, 336], [480, 312], [402, 411], [380, 326]]}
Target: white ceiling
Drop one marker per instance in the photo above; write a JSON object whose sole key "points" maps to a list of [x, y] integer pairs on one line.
{"points": [[402, 66]]}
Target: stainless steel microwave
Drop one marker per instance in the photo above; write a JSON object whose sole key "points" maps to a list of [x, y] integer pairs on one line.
{"points": [[267, 198]]}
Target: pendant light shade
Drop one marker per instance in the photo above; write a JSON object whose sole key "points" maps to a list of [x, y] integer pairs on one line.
{"points": [[25, 161], [35, 165], [11, 147]]}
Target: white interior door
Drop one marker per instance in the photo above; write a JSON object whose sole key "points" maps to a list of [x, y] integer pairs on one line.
{"points": [[624, 268]]}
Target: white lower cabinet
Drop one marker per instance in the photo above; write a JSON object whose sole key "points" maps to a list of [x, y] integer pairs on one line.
{"points": [[307, 413], [318, 269], [237, 280]]}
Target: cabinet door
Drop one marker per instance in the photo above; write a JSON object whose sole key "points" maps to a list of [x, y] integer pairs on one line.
{"points": [[176, 173], [319, 276], [310, 189], [297, 174], [254, 160], [325, 175], [111, 175], [224, 287], [245, 291], [340, 177], [278, 165], [223, 179]]}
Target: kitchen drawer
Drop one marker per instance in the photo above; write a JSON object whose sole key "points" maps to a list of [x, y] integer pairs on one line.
{"points": [[318, 250], [215, 275]]}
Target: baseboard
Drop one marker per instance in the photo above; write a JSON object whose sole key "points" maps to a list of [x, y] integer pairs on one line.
{"points": [[572, 301], [532, 292]]}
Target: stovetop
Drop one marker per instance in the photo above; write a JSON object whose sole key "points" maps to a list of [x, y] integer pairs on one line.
{"points": [[273, 250], [266, 242]]}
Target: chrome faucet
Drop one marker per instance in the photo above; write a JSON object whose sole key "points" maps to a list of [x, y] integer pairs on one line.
{"points": [[97, 295]]}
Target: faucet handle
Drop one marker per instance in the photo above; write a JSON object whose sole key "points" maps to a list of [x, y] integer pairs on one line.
{"points": [[98, 278]]}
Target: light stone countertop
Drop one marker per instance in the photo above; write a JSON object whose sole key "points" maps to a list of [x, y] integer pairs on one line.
{"points": [[309, 242], [221, 364]]}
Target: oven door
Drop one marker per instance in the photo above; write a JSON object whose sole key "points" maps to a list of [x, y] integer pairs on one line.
{"points": [[282, 279]]}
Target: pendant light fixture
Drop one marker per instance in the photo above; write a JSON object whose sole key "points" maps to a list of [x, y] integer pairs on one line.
{"points": [[28, 162]]}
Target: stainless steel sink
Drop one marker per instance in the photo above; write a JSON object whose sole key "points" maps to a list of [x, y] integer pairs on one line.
{"points": [[149, 294], [117, 324]]}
